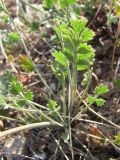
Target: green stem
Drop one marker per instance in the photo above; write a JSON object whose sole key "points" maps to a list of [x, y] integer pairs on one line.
{"points": [[74, 79], [41, 113], [64, 97]]}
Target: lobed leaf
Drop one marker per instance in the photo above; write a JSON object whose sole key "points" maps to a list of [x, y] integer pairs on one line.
{"points": [[83, 64], [101, 89], [16, 87], [60, 57], [29, 95], [87, 35], [78, 25], [100, 102], [14, 36], [90, 99]]}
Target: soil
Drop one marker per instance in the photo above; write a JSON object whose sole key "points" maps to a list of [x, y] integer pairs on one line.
{"points": [[40, 144]]}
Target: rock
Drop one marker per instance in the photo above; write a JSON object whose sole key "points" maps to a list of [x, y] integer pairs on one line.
{"points": [[14, 147], [98, 71], [53, 86], [41, 156]]}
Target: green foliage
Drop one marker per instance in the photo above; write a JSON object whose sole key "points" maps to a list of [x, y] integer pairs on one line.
{"points": [[16, 87], [60, 58], [75, 51], [29, 95], [100, 102], [99, 90], [54, 108], [63, 3], [20, 103], [49, 3], [66, 3], [85, 79], [26, 63], [117, 82], [66, 136], [14, 36], [117, 139], [91, 99], [52, 105], [2, 100], [89, 7], [34, 25], [12, 92]]}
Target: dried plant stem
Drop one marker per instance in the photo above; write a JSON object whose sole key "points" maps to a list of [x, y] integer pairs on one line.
{"points": [[8, 118], [114, 49], [25, 127], [5, 55], [101, 117]]}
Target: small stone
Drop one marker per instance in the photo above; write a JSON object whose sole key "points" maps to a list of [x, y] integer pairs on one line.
{"points": [[41, 156], [98, 71], [53, 86], [14, 146]]}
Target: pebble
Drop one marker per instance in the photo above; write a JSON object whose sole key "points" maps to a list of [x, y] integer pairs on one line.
{"points": [[98, 71], [53, 86], [14, 146], [41, 156]]}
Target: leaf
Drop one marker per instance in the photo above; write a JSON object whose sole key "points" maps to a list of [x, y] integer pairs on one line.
{"points": [[26, 63], [29, 95], [100, 102], [14, 36], [2, 100], [68, 54], [77, 9], [117, 139], [84, 48], [117, 8], [52, 104], [66, 3], [85, 79], [49, 3], [87, 35], [101, 89], [34, 26], [82, 64], [54, 108], [68, 42], [86, 52], [60, 29], [60, 57], [90, 100], [21, 102], [66, 136], [16, 87], [117, 82], [59, 71], [78, 25]]}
